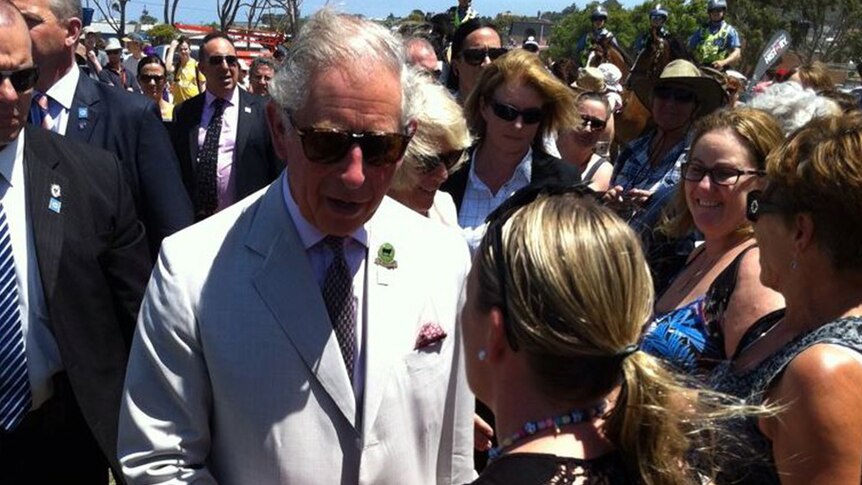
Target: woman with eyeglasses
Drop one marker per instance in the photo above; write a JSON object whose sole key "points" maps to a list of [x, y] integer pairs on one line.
{"points": [[437, 148], [807, 357], [152, 78], [515, 104], [577, 145], [556, 301], [188, 81], [717, 295], [475, 44]]}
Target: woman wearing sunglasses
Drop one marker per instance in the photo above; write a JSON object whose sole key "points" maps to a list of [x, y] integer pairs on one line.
{"points": [[808, 357], [556, 301], [515, 104], [577, 145], [437, 148], [717, 295], [152, 78], [475, 44]]}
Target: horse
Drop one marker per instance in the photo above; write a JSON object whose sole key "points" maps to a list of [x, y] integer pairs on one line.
{"points": [[604, 51]]}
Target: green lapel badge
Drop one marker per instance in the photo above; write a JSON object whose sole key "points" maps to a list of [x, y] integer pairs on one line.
{"points": [[386, 256]]}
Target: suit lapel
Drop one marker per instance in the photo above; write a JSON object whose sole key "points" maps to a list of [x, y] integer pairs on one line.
{"points": [[247, 107], [197, 107], [45, 185], [85, 111], [285, 282]]}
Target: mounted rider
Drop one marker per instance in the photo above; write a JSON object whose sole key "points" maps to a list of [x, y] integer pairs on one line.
{"points": [[461, 13], [598, 35], [658, 17], [716, 44]]}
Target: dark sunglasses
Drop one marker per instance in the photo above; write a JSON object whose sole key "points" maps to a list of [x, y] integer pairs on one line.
{"points": [[593, 123], [448, 160], [330, 145], [494, 234], [727, 176], [217, 60], [114, 52], [529, 116], [151, 78], [475, 57], [757, 205], [677, 94], [22, 79]]}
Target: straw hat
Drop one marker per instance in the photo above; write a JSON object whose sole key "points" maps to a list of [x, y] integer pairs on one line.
{"points": [[710, 95], [590, 79]]}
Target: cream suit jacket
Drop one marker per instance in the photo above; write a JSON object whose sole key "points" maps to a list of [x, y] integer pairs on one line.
{"points": [[236, 377]]}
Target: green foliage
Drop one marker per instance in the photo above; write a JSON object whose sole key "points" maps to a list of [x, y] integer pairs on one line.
{"points": [[148, 19], [162, 34]]}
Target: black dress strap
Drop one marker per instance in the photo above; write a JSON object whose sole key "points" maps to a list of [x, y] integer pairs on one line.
{"points": [[722, 288]]}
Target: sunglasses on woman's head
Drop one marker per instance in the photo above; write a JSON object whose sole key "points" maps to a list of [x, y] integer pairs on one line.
{"points": [[677, 94], [23, 79], [507, 112], [474, 57], [757, 205], [330, 145], [448, 160]]}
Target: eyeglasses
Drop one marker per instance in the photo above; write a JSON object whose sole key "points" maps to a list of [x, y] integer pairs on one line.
{"points": [[217, 60], [529, 116], [475, 57], [593, 123], [679, 95], [23, 79], [448, 160], [494, 234], [757, 205], [330, 145], [727, 176], [151, 78]]}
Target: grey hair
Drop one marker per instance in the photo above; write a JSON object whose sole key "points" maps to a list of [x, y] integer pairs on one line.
{"points": [[793, 105], [439, 118], [419, 42], [262, 61], [334, 40], [66, 9]]}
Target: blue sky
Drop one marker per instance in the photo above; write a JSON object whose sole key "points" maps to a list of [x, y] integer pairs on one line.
{"points": [[194, 11]]}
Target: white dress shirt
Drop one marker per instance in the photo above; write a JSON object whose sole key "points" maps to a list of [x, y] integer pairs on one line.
{"points": [[226, 181], [43, 356], [61, 95], [320, 257]]}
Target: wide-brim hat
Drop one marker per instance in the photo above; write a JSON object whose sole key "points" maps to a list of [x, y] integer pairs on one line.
{"points": [[710, 95], [590, 79], [113, 44]]}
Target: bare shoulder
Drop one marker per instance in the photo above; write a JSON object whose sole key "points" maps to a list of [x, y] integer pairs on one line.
{"points": [[833, 369]]}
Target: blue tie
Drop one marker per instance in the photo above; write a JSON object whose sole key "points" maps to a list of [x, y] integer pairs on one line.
{"points": [[15, 396]]}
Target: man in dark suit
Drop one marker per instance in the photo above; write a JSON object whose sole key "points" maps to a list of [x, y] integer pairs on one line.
{"points": [[73, 267], [221, 135], [127, 125]]}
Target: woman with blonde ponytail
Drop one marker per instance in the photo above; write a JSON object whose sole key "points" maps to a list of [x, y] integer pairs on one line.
{"points": [[556, 302]]}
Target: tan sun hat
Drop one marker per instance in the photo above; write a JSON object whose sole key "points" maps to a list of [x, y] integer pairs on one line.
{"points": [[710, 95], [590, 79]]}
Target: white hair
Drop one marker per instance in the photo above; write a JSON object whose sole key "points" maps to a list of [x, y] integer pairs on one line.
{"points": [[793, 105], [333, 40]]}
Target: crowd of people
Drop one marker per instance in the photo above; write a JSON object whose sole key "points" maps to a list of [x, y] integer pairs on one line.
{"points": [[379, 264]]}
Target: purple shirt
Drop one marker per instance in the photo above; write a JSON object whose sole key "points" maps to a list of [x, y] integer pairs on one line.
{"points": [[226, 145]]}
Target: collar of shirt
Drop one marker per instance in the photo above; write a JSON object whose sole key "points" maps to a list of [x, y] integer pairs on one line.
{"points": [[232, 101], [8, 154], [309, 234], [523, 172], [63, 91]]}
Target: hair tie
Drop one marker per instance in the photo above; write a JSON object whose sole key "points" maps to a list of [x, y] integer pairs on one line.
{"points": [[627, 351]]}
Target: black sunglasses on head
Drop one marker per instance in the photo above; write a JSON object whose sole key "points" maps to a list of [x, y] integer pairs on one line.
{"points": [[448, 160], [23, 79], [217, 60], [677, 94], [757, 205], [507, 112], [593, 123], [474, 57], [330, 145]]}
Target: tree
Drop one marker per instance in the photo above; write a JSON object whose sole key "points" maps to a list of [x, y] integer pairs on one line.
{"points": [[146, 18], [162, 34], [170, 13], [107, 8]]}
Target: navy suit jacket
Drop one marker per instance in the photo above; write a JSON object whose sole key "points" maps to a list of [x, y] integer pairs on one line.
{"points": [[130, 126], [255, 162]]}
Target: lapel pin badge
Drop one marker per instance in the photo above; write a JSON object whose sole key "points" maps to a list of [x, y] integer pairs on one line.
{"points": [[55, 191], [82, 112], [54, 205], [247, 109], [386, 256]]}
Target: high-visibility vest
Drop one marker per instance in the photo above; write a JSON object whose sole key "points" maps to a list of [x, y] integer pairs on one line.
{"points": [[712, 47]]}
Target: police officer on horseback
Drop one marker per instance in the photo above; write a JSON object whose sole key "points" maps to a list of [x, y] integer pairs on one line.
{"points": [[716, 44], [599, 35], [658, 17]]}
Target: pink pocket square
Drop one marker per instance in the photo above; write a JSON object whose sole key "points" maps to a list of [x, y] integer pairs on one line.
{"points": [[429, 334]]}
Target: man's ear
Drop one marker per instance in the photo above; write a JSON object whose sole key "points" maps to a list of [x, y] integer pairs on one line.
{"points": [[74, 26]]}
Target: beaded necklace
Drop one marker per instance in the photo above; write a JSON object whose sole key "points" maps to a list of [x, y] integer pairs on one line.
{"points": [[531, 428]]}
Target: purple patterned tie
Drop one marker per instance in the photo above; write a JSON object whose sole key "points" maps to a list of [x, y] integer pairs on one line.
{"points": [[338, 296]]}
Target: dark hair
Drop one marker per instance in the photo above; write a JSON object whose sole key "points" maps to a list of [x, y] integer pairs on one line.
{"points": [[147, 60], [261, 61], [212, 36], [458, 39]]}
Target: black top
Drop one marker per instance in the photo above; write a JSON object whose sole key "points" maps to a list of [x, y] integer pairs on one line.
{"points": [[547, 469]]}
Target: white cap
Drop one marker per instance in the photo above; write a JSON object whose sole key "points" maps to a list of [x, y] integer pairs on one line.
{"points": [[113, 44], [612, 75]]}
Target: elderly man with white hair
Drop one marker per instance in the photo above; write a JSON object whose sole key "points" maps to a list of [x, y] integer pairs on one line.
{"points": [[307, 333]]}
